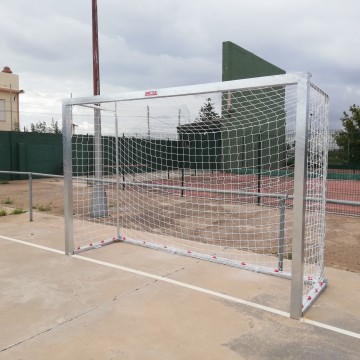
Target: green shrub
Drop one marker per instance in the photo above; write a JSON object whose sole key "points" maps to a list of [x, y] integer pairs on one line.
{"points": [[7, 201], [17, 211], [43, 207], [3, 212]]}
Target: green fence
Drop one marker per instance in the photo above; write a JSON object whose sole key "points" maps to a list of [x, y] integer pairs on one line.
{"points": [[344, 172], [26, 151], [42, 153], [135, 155]]}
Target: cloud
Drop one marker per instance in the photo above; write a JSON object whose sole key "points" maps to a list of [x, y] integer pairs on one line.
{"points": [[167, 43]]}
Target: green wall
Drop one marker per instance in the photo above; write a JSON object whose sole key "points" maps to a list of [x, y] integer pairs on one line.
{"points": [[23, 151], [43, 153], [238, 63], [136, 155], [253, 127]]}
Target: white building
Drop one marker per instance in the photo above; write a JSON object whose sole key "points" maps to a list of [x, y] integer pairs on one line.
{"points": [[9, 100]]}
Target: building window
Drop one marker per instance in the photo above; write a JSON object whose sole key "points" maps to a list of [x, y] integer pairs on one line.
{"points": [[2, 110]]}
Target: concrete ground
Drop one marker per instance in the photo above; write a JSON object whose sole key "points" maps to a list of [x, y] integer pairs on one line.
{"points": [[127, 302]]}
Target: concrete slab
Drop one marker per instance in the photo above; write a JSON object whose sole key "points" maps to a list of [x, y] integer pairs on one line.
{"points": [[40, 290], [46, 229], [339, 304], [260, 288], [58, 307]]}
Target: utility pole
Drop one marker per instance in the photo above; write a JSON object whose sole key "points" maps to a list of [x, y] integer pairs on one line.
{"points": [[99, 200], [95, 41]]}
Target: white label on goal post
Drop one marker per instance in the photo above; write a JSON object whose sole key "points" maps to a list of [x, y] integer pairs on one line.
{"points": [[151, 93]]}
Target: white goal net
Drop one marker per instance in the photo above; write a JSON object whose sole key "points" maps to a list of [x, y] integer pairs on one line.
{"points": [[231, 172]]}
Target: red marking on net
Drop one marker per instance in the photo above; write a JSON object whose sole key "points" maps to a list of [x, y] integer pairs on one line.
{"points": [[321, 283], [151, 93], [91, 244], [276, 270], [214, 257], [124, 237], [243, 263], [189, 251], [102, 241], [309, 297]]}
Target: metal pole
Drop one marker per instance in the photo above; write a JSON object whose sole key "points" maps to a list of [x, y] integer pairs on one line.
{"points": [[300, 183], [123, 175], [282, 234], [30, 198], [182, 182], [68, 189], [117, 174], [99, 206], [259, 169], [95, 42]]}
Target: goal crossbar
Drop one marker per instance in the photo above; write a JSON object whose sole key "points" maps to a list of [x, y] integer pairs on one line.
{"points": [[209, 88]]}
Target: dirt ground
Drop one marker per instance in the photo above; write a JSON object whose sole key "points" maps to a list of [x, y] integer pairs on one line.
{"points": [[342, 246]]}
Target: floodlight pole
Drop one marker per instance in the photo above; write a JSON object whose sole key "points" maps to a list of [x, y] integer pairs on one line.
{"points": [[99, 200]]}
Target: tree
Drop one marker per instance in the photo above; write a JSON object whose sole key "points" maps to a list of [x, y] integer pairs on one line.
{"points": [[348, 139], [40, 127], [207, 112], [54, 127]]}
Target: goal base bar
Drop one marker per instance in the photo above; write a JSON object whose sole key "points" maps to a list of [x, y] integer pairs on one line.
{"points": [[95, 245], [212, 258], [315, 292]]}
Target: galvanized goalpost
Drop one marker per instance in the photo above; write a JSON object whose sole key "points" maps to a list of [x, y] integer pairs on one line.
{"points": [[207, 171]]}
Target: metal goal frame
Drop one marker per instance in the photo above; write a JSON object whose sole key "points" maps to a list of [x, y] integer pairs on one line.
{"points": [[303, 122]]}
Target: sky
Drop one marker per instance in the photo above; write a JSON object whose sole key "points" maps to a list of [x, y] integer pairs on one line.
{"points": [[166, 43]]}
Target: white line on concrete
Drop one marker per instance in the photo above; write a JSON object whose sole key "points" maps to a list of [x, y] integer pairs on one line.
{"points": [[192, 287], [33, 245], [331, 328]]}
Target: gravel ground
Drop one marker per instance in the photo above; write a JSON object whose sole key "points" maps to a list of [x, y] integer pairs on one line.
{"points": [[342, 247]]}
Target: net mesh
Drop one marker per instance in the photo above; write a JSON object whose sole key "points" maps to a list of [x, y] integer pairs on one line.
{"points": [[315, 207], [210, 175]]}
